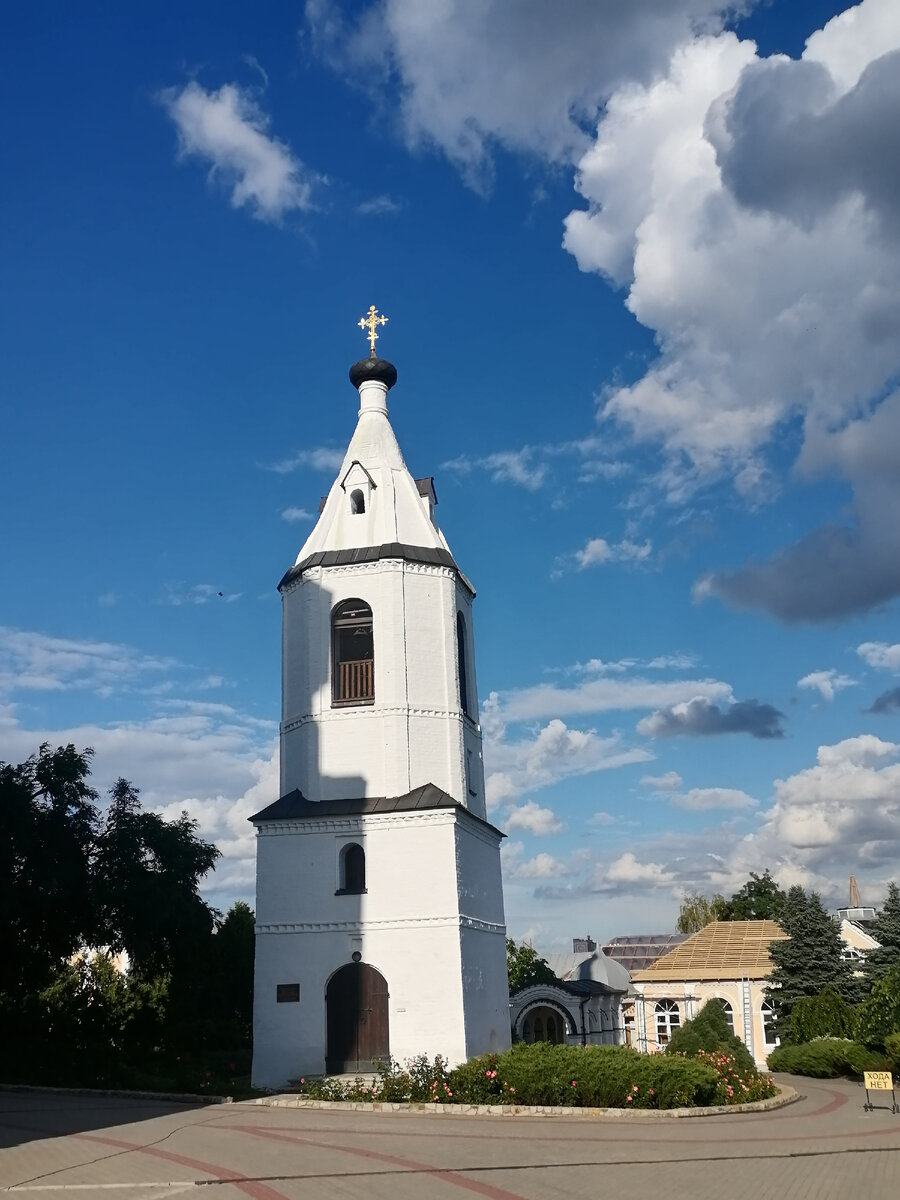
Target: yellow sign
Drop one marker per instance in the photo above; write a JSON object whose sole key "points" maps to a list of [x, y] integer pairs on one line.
{"points": [[878, 1081]]}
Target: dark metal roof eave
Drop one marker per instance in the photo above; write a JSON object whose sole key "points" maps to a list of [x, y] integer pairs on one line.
{"points": [[294, 806], [430, 556]]}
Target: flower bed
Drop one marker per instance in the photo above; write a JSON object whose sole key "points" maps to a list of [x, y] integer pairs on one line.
{"points": [[576, 1076]]}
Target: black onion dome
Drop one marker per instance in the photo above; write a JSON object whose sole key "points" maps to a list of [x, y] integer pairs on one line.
{"points": [[373, 368]]}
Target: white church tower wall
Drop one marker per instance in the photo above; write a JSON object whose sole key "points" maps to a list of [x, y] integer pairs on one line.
{"points": [[380, 925]]}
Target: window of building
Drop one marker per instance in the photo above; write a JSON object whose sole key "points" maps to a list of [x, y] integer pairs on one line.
{"points": [[354, 653], [352, 872], [668, 1018], [461, 660], [767, 1012], [357, 501]]}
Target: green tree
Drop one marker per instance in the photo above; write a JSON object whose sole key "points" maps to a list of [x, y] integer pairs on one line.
{"points": [[234, 947], [825, 1015], [48, 830], [525, 967], [760, 899], [70, 881], [698, 910], [879, 1013], [809, 959], [886, 931], [147, 878]]}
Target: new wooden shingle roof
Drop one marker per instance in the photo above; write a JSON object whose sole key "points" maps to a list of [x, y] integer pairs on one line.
{"points": [[722, 950]]}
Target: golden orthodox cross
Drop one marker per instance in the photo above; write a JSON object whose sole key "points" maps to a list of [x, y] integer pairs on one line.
{"points": [[369, 323]]}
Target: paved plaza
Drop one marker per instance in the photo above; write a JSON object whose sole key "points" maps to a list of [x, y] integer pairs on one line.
{"points": [[825, 1145]]}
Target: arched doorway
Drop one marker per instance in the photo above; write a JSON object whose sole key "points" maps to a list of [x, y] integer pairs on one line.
{"points": [[356, 1007], [544, 1024]]}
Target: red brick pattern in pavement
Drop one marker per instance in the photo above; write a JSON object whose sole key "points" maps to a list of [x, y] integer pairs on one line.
{"points": [[824, 1146]]}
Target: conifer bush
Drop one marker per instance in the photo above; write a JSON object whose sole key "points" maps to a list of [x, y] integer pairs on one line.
{"points": [[710, 1032], [827, 1058], [825, 1015]]}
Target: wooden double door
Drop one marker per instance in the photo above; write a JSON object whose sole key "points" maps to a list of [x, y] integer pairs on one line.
{"points": [[356, 1013]]}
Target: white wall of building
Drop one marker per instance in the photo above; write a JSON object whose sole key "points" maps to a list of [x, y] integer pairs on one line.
{"points": [[415, 731], [431, 921]]}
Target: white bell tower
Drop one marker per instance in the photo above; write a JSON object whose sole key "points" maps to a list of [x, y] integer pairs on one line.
{"points": [[380, 927]]}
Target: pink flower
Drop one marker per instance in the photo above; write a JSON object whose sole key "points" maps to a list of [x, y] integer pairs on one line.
{"points": [[652, 1093], [627, 1099], [574, 1083]]}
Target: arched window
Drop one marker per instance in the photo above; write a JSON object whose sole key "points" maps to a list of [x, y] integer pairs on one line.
{"points": [[357, 501], [767, 1012], [726, 1009], [353, 679], [352, 870], [668, 1019], [461, 660]]}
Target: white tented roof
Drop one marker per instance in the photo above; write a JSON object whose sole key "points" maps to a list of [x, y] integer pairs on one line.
{"points": [[395, 510]]}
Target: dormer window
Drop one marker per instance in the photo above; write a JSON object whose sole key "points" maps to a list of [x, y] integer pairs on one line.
{"points": [[353, 676], [359, 487]]}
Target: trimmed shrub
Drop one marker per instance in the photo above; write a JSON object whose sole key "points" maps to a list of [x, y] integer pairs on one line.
{"points": [[826, 1058], [710, 1032], [543, 1074], [892, 1051]]}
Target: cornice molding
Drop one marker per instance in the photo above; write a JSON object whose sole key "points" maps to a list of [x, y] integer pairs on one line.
{"points": [[460, 921], [367, 711]]}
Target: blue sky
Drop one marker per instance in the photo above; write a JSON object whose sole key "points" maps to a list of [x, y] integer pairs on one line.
{"points": [[640, 265]]}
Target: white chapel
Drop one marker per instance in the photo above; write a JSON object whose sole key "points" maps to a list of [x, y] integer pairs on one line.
{"points": [[380, 928]]}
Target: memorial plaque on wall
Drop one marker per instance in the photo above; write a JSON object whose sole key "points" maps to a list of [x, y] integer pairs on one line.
{"points": [[287, 993]]}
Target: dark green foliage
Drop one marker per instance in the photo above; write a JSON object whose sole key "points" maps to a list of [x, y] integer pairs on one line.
{"points": [[892, 1051], [879, 1014], [525, 967], [543, 1074], [760, 899], [825, 1015], [698, 910], [885, 930], [709, 1031], [71, 880], [809, 959], [147, 873], [826, 1058], [48, 829]]}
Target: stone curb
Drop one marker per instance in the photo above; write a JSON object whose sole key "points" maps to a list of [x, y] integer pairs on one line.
{"points": [[786, 1095], [176, 1097]]}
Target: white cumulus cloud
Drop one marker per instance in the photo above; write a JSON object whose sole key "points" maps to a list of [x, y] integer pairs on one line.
{"points": [[533, 819], [881, 655], [826, 682], [599, 551], [229, 130]]}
